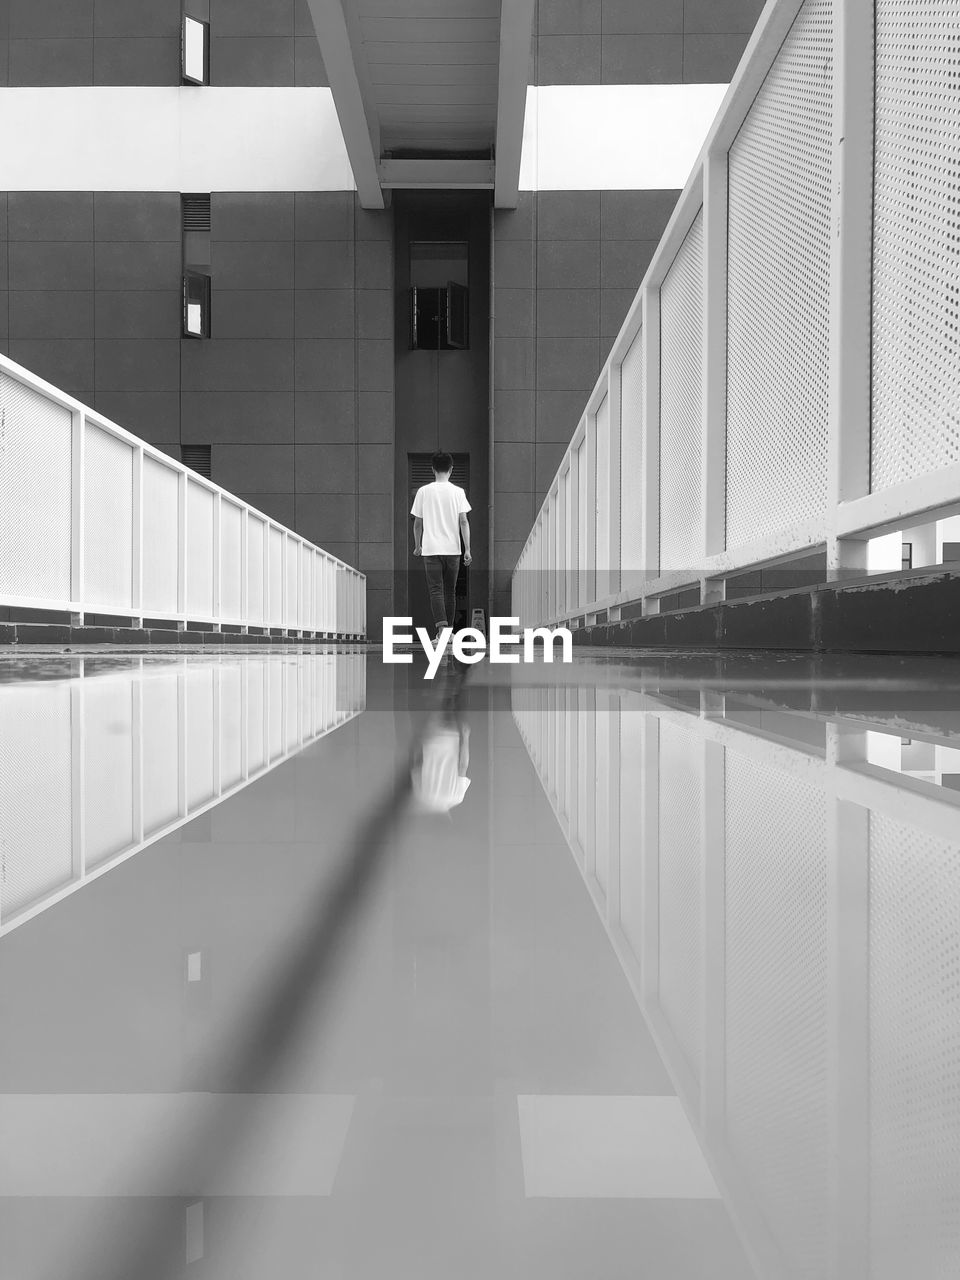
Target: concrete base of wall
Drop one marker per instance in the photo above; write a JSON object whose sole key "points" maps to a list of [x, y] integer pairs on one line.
{"points": [[917, 612]]}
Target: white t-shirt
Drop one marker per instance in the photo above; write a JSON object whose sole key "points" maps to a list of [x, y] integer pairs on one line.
{"points": [[440, 505]]}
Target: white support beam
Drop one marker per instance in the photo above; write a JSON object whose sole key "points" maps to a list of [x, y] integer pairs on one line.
{"points": [[437, 174], [516, 32], [361, 128]]}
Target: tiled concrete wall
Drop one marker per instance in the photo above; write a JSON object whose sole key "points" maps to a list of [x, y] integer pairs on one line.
{"points": [[641, 41], [137, 42], [294, 390], [566, 268]]}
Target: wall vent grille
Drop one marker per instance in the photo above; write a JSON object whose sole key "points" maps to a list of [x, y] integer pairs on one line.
{"points": [[195, 211]]}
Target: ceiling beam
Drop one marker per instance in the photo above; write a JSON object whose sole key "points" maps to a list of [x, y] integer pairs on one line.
{"points": [[516, 33], [360, 126], [437, 174]]}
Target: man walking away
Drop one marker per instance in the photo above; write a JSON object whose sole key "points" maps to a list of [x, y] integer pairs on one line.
{"points": [[439, 519]]}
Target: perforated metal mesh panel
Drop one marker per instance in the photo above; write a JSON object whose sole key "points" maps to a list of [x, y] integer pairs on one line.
{"points": [[36, 855], [108, 527], [231, 566], [256, 542], [160, 726], [916, 253], [108, 803], [581, 483], [776, 1003], [161, 488], [778, 302], [200, 550], [631, 460], [914, 1050], [292, 573], [35, 500], [681, 865], [605, 561], [681, 406], [275, 569]]}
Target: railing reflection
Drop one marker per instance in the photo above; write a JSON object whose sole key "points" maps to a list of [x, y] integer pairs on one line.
{"points": [[95, 768], [782, 890]]}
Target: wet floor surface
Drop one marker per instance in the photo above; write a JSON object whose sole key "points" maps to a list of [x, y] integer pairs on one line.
{"points": [[639, 967]]}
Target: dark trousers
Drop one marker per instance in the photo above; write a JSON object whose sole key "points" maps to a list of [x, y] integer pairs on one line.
{"points": [[442, 572]]}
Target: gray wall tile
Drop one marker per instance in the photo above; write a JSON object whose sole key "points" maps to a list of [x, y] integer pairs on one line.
{"points": [[263, 364], [374, 265], [569, 17], [514, 414], [647, 59], [721, 16], [624, 262], [325, 364], [4, 62], [251, 60], [324, 264], [252, 313], [253, 17], [134, 60], [558, 413], [375, 416], [568, 60], [326, 468], [565, 364], [324, 215], [375, 365], [515, 264], [327, 517], [568, 264], [512, 467], [568, 215], [139, 265], [376, 468], [549, 456], [278, 506], [512, 516], [49, 265], [253, 468], [308, 68], [614, 305], [375, 313], [50, 62], [568, 313], [151, 415], [712, 59], [519, 223], [376, 518], [67, 363], [325, 417], [126, 364], [373, 556], [137, 18], [636, 215], [4, 313], [50, 215], [254, 264], [514, 364], [303, 19], [51, 313], [138, 313], [515, 313], [138, 215], [238, 417], [642, 17], [63, 18], [324, 313], [252, 215]]}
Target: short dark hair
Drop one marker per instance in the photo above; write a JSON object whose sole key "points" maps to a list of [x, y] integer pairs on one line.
{"points": [[441, 462]]}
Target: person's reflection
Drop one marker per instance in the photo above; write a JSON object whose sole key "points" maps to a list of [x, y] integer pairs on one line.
{"points": [[439, 775]]}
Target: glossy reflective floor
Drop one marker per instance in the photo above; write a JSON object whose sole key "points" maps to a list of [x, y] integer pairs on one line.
{"points": [[632, 968]]}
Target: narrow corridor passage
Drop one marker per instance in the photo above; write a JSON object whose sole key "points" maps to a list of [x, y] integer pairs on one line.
{"points": [[639, 967]]}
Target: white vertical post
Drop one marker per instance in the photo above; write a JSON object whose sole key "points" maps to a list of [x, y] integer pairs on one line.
{"points": [[590, 498], [714, 440], [650, 339], [136, 519], [78, 524], [614, 430], [573, 537], [850, 271]]}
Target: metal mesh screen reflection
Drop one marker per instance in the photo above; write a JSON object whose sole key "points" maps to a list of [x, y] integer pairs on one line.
{"points": [[681, 406], [916, 251], [778, 301], [161, 514], [35, 501], [200, 550]]}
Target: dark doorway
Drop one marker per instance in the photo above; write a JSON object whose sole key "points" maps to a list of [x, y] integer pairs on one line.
{"points": [[420, 472]]}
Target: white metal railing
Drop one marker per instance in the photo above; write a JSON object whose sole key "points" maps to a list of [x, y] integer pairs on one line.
{"points": [[95, 521], [785, 385], [97, 767], [750, 879]]}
